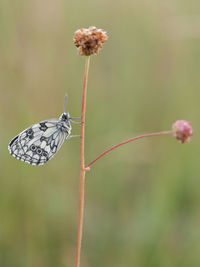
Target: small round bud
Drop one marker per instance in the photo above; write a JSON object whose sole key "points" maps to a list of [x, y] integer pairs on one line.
{"points": [[89, 41], [182, 131]]}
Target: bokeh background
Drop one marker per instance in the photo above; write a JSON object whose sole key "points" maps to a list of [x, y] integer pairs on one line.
{"points": [[142, 201]]}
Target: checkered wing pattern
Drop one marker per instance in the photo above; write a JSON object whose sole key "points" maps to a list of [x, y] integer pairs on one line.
{"points": [[39, 143]]}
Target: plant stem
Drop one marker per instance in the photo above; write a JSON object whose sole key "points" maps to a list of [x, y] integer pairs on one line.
{"points": [[125, 142], [82, 167]]}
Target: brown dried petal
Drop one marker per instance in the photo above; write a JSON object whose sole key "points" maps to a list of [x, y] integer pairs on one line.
{"points": [[89, 41]]}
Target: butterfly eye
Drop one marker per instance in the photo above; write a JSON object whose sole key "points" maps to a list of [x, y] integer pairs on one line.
{"points": [[33, 148], [39, 151]]}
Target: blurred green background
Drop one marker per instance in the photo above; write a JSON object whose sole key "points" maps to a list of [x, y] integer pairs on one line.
{"points": [[142, 201]]}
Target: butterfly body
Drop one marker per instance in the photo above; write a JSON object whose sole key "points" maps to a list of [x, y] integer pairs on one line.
{"points": [[39, 143]]}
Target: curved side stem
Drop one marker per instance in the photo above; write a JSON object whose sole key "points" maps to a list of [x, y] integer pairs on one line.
{"points": [[82, 167], [125, 142]]}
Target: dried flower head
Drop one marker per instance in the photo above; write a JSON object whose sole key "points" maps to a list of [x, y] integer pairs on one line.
{"points": [[182, 131], [89, 41]]}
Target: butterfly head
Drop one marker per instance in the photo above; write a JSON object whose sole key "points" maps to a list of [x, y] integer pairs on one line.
{"points": [[65, 121], [65, 116]]}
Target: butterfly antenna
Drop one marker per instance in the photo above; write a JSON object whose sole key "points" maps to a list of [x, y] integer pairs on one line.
{"points": [[65, 102]]}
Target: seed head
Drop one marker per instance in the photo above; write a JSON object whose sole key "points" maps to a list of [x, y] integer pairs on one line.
{"points": [[89, 41], [182, 130]]}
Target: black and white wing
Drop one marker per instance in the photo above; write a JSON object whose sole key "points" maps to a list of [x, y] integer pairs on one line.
{"points": [[39, 143]]}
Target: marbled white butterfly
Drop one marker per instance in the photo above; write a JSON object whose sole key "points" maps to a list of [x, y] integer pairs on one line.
{"points": [[40, 142]]}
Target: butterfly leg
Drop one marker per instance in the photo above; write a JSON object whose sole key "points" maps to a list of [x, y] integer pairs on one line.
{"points": [[73, 136], [75, 118], [75, 122]]}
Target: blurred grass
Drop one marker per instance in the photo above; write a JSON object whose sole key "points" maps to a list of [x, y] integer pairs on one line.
{"points": [[142, 201]]}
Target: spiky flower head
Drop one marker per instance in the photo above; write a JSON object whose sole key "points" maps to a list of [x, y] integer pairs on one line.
{"points": [[89, 41], [182, 130]]}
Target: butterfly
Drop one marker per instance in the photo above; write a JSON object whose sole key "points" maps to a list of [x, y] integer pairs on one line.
{"points": [[40, 142]]}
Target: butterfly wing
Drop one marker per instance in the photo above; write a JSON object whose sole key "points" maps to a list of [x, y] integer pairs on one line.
{"points": [[39, 143]]}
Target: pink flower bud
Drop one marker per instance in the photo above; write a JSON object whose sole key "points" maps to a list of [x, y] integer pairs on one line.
{"points": [[182, 130]]}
